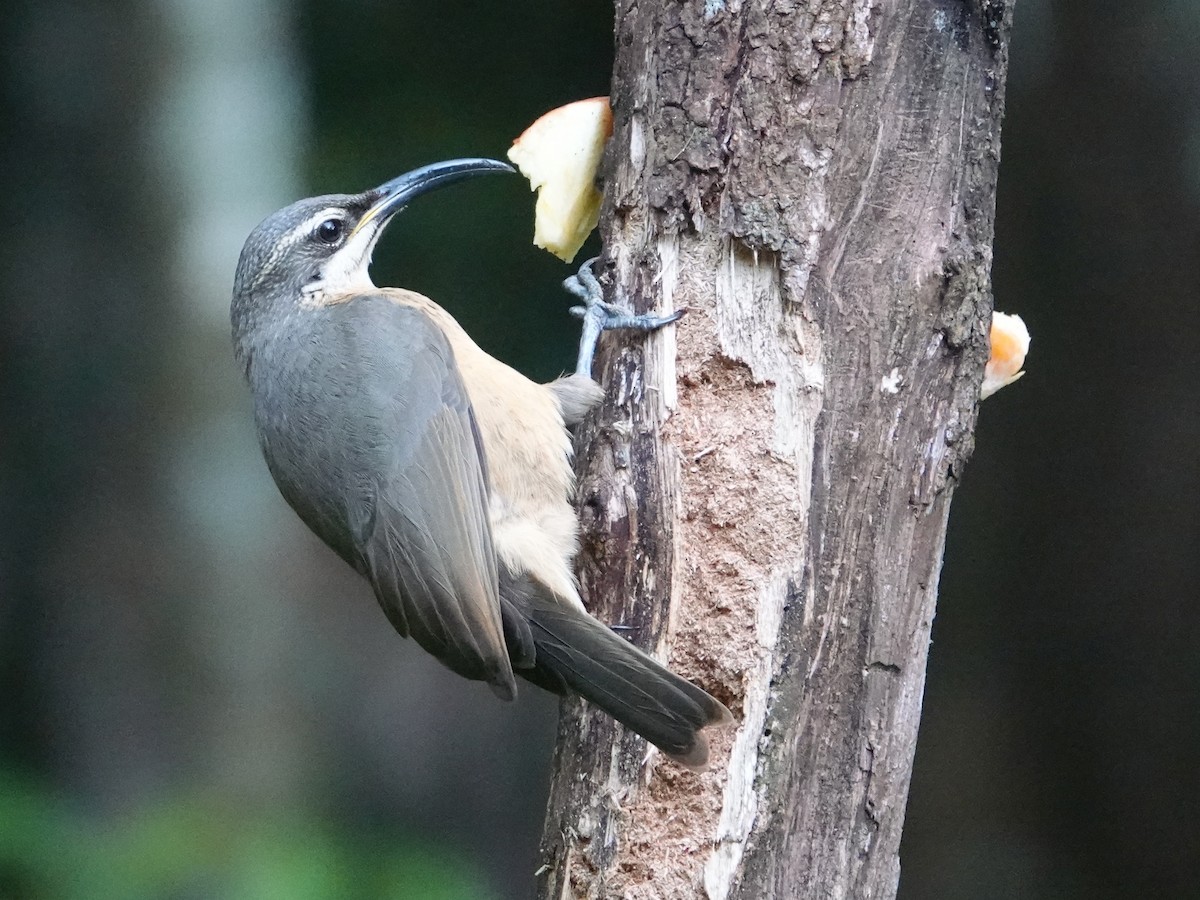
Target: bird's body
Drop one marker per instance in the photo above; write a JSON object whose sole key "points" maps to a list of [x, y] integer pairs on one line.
{"points": [[439, 473], [534, 527]]}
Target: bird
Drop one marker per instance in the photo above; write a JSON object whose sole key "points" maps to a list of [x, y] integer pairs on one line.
{"points": [[439, 473]]}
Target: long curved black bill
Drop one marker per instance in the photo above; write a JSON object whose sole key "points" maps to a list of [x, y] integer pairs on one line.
{"points": [[396, 194]]}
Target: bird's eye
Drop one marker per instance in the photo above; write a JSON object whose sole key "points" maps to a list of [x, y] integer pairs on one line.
{"points": [[330, 231]]}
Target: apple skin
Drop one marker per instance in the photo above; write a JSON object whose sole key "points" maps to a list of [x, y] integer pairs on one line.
{"points": [[560, 154]]}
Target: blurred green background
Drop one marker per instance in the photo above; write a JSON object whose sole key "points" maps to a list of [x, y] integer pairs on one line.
{"points": [[197, 700]]}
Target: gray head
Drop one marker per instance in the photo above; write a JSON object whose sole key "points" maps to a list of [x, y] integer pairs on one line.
{"points": [[320, 248]]}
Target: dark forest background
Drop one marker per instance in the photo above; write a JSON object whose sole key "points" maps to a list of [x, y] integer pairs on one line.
{"points": [[198, 700]]}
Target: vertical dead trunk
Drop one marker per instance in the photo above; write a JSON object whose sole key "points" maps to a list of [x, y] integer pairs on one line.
{"points": [[765, 491]]}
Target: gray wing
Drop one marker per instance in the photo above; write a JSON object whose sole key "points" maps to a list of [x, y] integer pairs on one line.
{"points": [[425, 538]]}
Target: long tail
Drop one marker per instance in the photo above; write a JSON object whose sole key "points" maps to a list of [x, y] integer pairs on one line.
{"points": [[575, 653]]}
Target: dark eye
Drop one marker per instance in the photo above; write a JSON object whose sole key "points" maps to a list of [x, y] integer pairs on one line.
{"points": [[330, 231]]}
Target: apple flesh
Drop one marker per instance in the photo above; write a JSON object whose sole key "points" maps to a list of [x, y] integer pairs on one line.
{"points": [[560, 154], [1009, 346]]}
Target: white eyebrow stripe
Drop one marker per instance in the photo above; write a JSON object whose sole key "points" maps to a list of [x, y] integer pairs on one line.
{"points": [[293, 235], [306, 227]]}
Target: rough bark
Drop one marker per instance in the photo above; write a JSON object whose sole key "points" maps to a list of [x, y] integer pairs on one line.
{"points": [[765, 490]]}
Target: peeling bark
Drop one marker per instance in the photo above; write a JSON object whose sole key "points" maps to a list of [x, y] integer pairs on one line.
{"points": [[764, 492]]}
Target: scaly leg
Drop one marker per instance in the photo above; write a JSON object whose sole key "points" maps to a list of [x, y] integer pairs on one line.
{"points": [[598, 315]]}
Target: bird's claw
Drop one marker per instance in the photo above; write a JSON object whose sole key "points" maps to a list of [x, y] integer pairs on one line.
{"points": [[599, 315]]}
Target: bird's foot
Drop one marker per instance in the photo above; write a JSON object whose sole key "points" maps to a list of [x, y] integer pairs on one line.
{"points": [[599, 315]]}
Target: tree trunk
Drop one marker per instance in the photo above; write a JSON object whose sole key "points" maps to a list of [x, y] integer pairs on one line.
{"points": [[765, 491]]}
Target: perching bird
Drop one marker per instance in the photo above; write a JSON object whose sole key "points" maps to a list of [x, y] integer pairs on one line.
{"points": [[439, 473]]}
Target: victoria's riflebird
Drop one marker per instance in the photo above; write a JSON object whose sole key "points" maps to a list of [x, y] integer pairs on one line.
{"points": [[442, 475]]}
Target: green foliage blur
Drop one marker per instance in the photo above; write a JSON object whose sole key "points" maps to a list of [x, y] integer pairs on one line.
{"points": [[195, 846]]}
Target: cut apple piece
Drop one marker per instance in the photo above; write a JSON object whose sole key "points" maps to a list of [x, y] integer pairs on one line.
{"points": [[1010, 344], [559, 154]]}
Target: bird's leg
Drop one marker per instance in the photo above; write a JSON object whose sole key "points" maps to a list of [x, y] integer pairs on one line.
{"points": [[599, 315]]}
